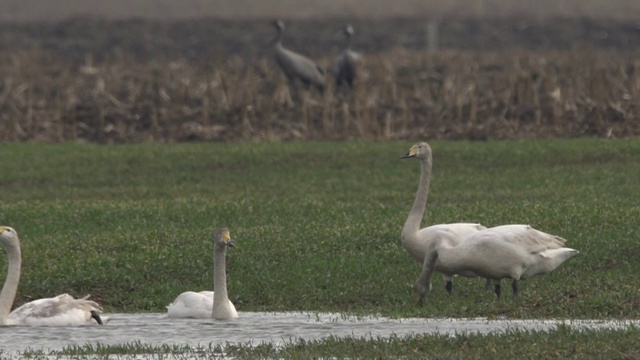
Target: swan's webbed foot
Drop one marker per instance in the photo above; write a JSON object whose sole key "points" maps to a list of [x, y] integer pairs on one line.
{"points": [[96, 316], [498, 290], [514, 286], [448, 285]]}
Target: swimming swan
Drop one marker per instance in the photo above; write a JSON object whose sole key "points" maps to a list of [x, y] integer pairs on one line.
{"points": [[415, 240], [62, 310], [208, 304], [508, 251]]}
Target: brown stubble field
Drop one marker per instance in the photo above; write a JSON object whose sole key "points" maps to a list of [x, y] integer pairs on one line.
{"points": [[88, 79]]}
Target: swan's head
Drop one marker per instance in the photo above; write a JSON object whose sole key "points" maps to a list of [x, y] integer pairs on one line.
{"points": [[419, 150], [8, 236], [223, 237], [420, 290]]}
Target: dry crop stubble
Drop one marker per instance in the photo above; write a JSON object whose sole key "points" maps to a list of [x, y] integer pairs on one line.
{"points": [[400, 94]]}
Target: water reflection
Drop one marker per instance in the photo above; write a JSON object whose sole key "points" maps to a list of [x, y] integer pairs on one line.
{"points": [[157, 329]]}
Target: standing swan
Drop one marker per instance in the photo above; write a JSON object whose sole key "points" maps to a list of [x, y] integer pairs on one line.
{"points": [[415, 240], [62, 310], [294, 65], [508, 251], [207, 304]]}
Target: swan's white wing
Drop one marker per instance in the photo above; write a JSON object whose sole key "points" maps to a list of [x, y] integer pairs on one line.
{"points": [[532, 240], [191, 304], [62, 310], [454, 233], [207, 293]]}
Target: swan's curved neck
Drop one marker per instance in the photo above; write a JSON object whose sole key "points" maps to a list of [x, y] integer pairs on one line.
{"points": [[10, 287], [219, 275], [412, 225]]}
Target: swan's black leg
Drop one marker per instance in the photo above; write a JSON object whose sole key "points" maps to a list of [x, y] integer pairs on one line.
{"points": [[96, 316], [498, 290], [514, 286], [449, 286]]}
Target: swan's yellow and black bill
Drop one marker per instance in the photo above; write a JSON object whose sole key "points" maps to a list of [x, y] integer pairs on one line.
{"points": [[412, 153], [227, 239]]}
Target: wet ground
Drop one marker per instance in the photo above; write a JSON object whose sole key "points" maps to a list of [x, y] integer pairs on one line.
{"points": [[256, 328]]}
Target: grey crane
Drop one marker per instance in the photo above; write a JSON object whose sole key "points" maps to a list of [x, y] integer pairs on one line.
{"points": [[294, 65], [346, 64]]}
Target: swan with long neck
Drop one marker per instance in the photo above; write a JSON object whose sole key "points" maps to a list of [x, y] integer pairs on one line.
{"points": [[296, 66], [509, 251], [415, 240], [208, 304], [62, 310]]}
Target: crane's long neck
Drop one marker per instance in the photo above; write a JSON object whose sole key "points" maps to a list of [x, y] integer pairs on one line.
{"points": [[219, 275], [348, 41], [10, 287], [412, 225], [278, 40]]}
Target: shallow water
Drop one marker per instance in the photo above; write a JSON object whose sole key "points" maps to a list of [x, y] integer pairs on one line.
{"points": [[256, 328]]}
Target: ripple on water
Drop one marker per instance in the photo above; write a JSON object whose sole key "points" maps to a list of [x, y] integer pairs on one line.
{"points": [[256, 328]]}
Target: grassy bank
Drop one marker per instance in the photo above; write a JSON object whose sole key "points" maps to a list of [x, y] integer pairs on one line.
{"points": [[317, 224], [560, 343]]}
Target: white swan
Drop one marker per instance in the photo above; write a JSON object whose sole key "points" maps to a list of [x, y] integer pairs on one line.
{"points": [[208, 304], [415, 240], [62, 310], [508, 251]]}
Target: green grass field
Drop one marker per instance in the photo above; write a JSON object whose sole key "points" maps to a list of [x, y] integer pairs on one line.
{"points": [[317, 224], [562, 343]]}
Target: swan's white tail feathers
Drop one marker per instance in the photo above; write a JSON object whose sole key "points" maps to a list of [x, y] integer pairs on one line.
{"points": [[560, 240], [561, 252]]}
